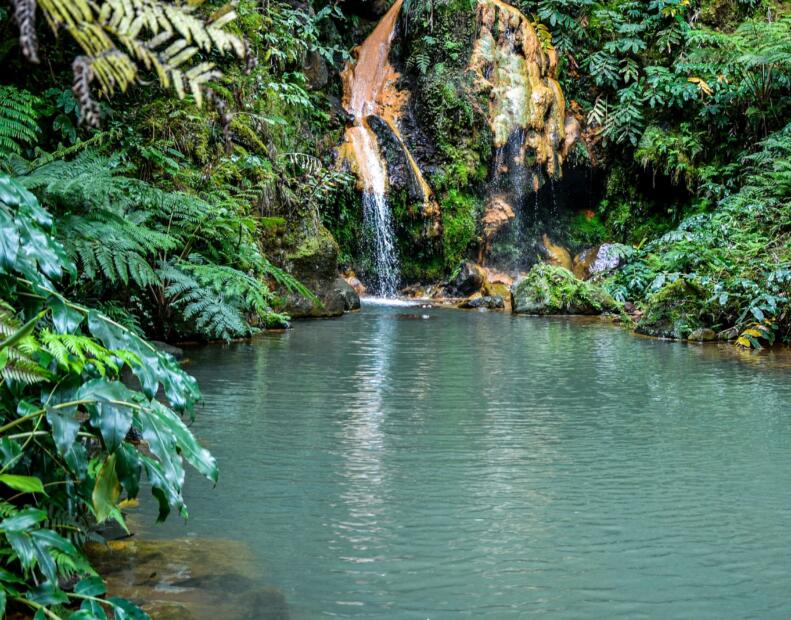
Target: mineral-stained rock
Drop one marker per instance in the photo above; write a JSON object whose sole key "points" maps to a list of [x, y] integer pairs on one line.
{"points": [[598, 259], [548, 289], [556, 254]]}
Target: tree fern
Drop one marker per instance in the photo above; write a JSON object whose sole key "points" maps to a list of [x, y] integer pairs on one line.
{"points": [[18, 117]]}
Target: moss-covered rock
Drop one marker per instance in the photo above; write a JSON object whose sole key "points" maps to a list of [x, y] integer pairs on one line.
{"points": [[548, 289], [675, 311]]}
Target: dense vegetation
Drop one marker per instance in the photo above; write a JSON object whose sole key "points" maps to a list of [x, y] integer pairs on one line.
{"points": [[126, 218], [130, 213]]}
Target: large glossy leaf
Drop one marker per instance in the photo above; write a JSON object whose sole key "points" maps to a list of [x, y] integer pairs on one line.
{"points": [[167, 494], [65, 425], [155, 367], [171, 424], [90, 586], [112, 411], [24, 484], [22, 520], [48, 594], [126, 610]]}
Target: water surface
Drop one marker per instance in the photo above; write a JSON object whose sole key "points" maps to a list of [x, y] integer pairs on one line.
{"points": [[405, 463]]}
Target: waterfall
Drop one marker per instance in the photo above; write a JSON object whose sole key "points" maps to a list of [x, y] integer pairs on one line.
{"points": [[370, 89]]}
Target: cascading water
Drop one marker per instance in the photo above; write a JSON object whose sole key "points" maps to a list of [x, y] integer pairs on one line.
{"points": [[377, 216], [365, 82]]}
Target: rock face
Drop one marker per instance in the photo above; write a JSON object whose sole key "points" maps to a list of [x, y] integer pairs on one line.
{"points": [[470, 280], [548, 289], [488, 302], [676, 311], [518, 74]]}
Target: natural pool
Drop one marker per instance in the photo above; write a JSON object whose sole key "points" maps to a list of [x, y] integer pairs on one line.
{"points": [[473, 465]]}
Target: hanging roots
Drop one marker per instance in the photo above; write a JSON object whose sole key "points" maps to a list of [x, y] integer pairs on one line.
{"points": [[25, 16], [83, 74]]}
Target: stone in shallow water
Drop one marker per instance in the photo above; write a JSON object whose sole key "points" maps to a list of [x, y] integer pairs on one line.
{"points": [[188, 579], [703, 334], [490, 302]]}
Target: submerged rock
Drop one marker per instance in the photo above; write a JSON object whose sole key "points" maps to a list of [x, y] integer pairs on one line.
{"points": [[469, 280], [189, 579], [548, 289], [489, 302], [675, 311], [703, 334]]}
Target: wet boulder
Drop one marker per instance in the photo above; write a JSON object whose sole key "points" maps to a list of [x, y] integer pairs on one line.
{"points": [[351, 300], [488, 302], [549, 289], [469, 280], [313, 260]]}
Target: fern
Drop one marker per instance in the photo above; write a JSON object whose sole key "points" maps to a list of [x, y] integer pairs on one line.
{"points": [[215, 297], [16, 362], [118, 37], [18, 118]]}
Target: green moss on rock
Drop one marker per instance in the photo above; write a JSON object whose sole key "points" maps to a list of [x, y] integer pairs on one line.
{"points": [[548, 289], [676, 310]]}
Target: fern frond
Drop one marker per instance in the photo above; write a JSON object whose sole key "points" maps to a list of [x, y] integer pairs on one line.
{"points": [[18, 120]]}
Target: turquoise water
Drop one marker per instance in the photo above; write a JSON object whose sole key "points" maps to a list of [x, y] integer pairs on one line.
{"points": [[473, 465]]}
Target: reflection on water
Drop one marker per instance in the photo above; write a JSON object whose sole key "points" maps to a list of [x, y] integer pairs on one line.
{"points": [[488, 466]]}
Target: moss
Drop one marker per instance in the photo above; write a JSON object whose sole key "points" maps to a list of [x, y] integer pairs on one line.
{"points": [[586, 230], [548, 289], [459, 223], [676, 310]]}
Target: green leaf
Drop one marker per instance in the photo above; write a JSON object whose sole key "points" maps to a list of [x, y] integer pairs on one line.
{"points": [[112, 413], [25, 484], [126, 610], [106, 491], [48, 594], [23, 520], [65, 425], [2, 603], [93, 609], [90, 586]]}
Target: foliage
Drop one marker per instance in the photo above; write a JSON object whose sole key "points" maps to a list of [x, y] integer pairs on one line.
{"points": [[18, 124], [74, 438], [118, 37], [741, 252], [191, 266]]}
